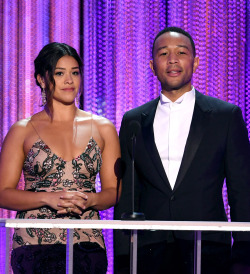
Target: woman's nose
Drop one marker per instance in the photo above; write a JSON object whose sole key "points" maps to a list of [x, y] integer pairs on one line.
{"points": [[68, 79]]}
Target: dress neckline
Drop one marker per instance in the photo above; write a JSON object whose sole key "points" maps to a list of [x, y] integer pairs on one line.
{"points": [[39, 140]]}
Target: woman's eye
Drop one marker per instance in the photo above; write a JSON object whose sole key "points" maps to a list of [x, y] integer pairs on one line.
{"points": [[59, 73], [76, 73]]}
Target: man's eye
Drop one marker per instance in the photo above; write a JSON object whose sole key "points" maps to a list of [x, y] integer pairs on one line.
{"points": [[164, 53], [182, 52]]}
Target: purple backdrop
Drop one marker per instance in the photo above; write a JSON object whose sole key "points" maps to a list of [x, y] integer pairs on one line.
{"points": [[115, 38]]}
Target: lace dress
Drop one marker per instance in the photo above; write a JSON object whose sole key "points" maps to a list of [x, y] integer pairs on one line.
{"points": [[45, 171]]}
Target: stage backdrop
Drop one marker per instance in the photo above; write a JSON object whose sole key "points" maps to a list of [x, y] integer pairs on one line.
{"points": [[114, 38]]}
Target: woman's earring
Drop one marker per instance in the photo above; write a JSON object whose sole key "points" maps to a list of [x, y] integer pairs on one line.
{"points": [[44, 99]]}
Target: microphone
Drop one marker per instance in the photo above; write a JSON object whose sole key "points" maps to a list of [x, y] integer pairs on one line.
{"points": [[134, 128]]}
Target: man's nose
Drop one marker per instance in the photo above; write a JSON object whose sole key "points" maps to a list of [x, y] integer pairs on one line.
{"points": [[172, 58]]}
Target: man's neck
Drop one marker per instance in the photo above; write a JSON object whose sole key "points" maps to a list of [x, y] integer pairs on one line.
{"points": [[173, 95]]}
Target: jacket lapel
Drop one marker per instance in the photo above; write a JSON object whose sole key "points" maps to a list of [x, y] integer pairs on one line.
{"points": [[198, 126], [147, 119]]}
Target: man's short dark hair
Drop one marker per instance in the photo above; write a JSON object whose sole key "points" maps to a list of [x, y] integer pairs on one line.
{"points": [[178, 30]]}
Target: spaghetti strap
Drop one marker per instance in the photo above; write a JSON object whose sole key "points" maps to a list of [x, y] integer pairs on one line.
{"points": [[91, 124], [35, 129]]}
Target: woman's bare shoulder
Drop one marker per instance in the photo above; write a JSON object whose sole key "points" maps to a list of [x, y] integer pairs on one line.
{"points": [[105, 127], [97, 120], [102, 121], [23, 127], [20, 126], [17, 133]]}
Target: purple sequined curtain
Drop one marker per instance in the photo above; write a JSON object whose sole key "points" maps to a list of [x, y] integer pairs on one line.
{"points": [[114, 38], [117, 50]]}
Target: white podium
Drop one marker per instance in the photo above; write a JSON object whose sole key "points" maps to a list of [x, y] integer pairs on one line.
{"points": [[129, 225]]}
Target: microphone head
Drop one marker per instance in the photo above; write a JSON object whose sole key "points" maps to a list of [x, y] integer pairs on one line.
{"points": [[134, 127]]}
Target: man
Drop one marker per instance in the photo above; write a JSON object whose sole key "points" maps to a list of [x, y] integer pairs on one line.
{"points": [[188, 143]]}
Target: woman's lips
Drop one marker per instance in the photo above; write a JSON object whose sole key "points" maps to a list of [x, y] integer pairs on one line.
{"points": [[68, 89]]}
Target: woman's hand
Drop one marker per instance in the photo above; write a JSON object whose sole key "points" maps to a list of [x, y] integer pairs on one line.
{"points": [[70, 202]]}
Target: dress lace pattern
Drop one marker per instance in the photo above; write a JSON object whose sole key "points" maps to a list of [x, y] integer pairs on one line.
{"points": [[45, 171]]}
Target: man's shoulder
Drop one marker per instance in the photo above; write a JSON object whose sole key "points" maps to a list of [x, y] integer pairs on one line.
{"points": [[213, 103], [143, 108]]}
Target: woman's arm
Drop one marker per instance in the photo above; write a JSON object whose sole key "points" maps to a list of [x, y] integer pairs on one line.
{"points": [[11, 164], [110, 173]]}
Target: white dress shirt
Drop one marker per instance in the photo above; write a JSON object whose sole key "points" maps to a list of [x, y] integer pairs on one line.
{"points": [[171, 127]]}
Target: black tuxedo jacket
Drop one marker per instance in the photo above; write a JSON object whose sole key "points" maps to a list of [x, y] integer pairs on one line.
{"points": [[217, 148]]}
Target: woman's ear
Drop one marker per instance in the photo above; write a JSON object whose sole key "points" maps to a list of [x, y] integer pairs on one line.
{"points": [[40, 81]]}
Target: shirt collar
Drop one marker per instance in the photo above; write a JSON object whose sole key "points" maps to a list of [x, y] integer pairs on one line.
{"points": [[186, 97]]}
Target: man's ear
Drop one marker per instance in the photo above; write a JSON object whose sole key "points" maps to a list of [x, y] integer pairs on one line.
{"points": [[40, 81], [196, 63], [151, 64]]}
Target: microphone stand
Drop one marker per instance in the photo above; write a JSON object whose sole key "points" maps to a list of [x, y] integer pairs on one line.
{"points": [[133, 216]]}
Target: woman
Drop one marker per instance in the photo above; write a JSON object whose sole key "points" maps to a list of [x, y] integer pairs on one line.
{"points": [[60, 151]]}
